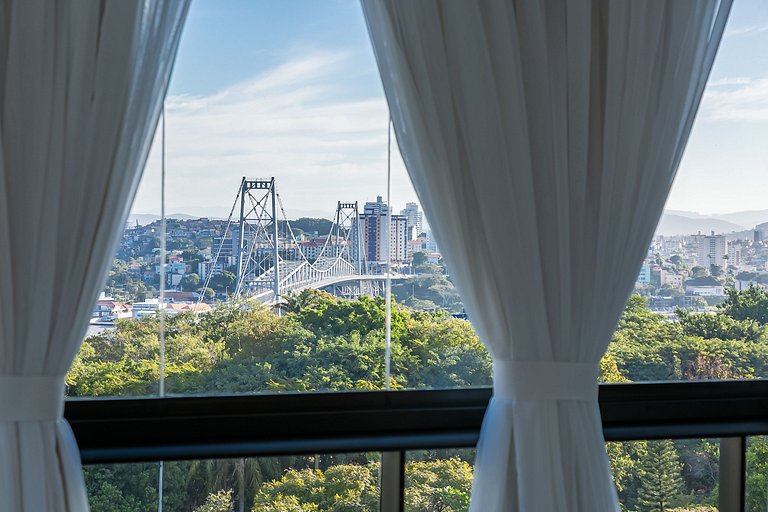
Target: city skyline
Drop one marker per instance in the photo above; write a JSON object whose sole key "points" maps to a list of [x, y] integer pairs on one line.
{"points": [[277, 89]]}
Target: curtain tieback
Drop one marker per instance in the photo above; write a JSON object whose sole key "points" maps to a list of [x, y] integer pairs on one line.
{"points": [[545, 380], [31, 398]]}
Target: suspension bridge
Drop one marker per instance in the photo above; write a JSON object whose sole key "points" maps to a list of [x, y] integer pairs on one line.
{"points": [[273, 260]]}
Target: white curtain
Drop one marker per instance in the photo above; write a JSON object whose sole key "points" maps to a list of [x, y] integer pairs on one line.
{"points": [[81, 88], [542, 138]]}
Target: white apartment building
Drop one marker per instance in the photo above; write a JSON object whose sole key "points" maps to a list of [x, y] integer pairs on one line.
{"points": [[148, 307], [712, 250], [173, 267], [312, 248], [414, 220], [398, 238], [209, 267], [706, 291]]}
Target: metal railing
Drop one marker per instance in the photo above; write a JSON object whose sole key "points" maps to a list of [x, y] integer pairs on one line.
{"points": [[393, 422]]}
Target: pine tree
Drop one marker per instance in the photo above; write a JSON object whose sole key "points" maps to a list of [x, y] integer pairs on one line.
{"points": [[662, 481]]}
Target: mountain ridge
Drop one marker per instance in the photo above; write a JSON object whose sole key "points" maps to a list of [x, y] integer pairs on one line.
{"points": [[682, 222]]}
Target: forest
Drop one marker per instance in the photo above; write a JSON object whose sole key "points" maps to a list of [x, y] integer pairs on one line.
{"points": [[323, 343]]}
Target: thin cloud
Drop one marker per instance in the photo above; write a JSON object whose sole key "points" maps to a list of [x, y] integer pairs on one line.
{"points": [[297, 121], [736, 80], [739, 99], [748, 30]]}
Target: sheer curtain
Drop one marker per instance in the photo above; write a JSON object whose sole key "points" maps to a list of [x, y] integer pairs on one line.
{"points": [[81, 86], [542, 138]]}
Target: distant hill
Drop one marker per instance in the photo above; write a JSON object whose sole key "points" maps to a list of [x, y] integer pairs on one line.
{"points": [[685, 213], [149, 218], [672, 224], [679, 222], [749, 219]]}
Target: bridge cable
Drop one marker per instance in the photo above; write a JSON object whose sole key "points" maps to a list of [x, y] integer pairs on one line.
{"points": [[218, 252]]}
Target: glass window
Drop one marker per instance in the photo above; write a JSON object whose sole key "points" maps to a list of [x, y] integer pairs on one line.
{"points": [[276, 149], [650, 476], [700, 302], [263, 484]]}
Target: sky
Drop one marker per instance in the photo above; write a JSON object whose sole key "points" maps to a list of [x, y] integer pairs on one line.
{"points": [[290, 89]]}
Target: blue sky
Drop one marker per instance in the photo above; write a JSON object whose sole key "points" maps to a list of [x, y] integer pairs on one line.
{"points": [[289, 88], [725, 167]]}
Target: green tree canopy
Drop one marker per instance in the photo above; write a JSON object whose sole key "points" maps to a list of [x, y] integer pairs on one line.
{"points": [[190, 282], [223, 281], [750, 304], [662, 481]]}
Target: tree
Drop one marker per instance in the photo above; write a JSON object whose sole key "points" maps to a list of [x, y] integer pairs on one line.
{"points": [[704, 281], [757, 469], [190, 282], [419, 258], [309, 225], [747, 276], [329, 343], [222, 281], [342, 488], [207, 293], [441, 485], [431, 289], [750, 304], [662, 481], [217, 502], [309, 298], [720, 326], [698, 271]]}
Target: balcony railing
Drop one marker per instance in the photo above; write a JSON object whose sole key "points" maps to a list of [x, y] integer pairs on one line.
{"points": [[392, 422]]}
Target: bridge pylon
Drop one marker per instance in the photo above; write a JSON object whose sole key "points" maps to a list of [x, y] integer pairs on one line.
{"points": [[347, 227], [258, 257]]}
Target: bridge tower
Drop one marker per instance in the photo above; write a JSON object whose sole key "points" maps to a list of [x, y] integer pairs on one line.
{"points": [[347, 227], [258, 256]]}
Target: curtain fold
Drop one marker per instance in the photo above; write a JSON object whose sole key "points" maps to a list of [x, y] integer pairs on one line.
{"points": [[542, 139], [81, 88]]}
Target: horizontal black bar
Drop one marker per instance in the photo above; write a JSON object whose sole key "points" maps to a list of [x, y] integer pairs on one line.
{"points": [[679, 410], [143, 429]]}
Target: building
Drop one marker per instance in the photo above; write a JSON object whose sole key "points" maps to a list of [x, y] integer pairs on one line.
{"points": [[412, 247], [743, 285], [671, 279], [712, 250], [374, 223], [226, 250], [734, 255], [376, 207], [145, 308], [430, 244], [644, 277], [177, 296], [319, 246], [174, 309], [173, 267], [414, 220], [204, 268], [705, 291], [108, 308]]}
